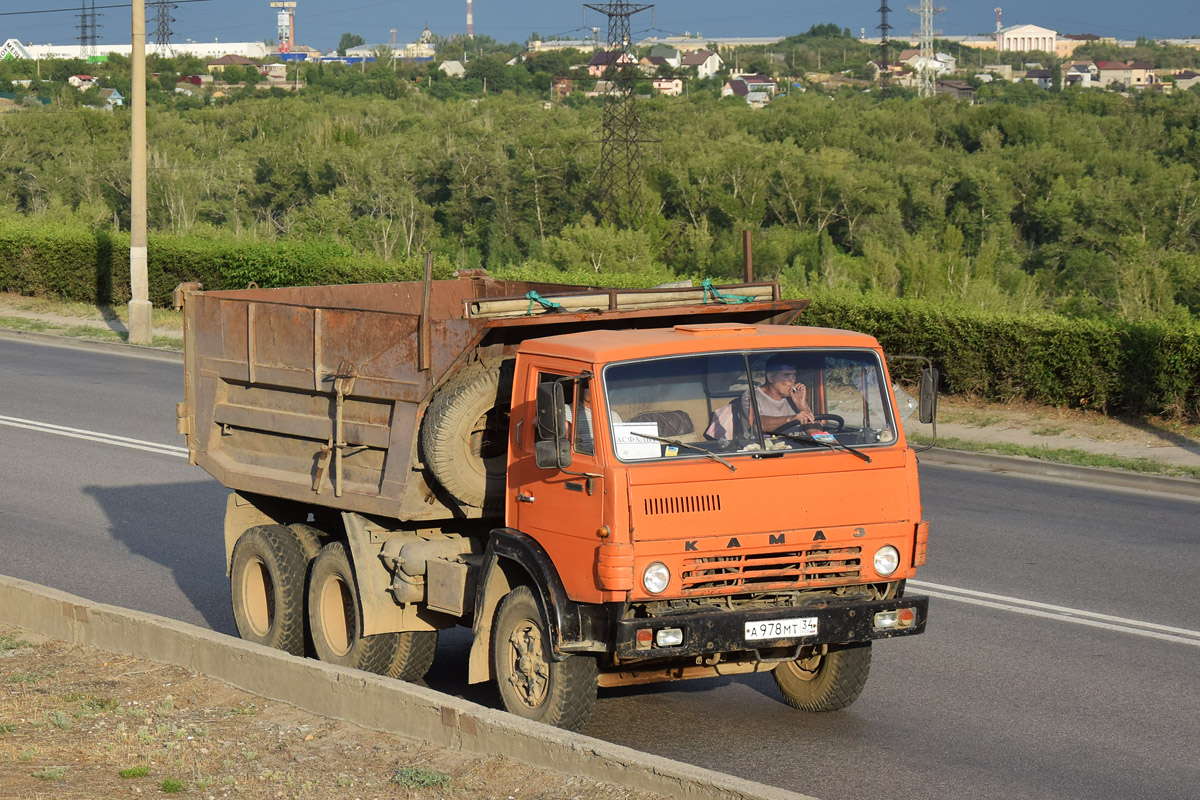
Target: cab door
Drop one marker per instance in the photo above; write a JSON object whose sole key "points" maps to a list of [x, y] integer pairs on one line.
{"points": [[561, 508]]}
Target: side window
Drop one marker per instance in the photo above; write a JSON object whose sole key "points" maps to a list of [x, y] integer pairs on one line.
{"points": [[583, 426]]}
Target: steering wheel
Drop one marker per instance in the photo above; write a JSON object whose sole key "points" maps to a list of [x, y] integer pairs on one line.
{"points": [[834, 419]]}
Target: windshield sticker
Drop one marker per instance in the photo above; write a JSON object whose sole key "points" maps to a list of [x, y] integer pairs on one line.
{"points": [[631, 446]]}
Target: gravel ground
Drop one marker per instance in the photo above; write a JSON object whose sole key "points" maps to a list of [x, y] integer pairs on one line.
{"points": [[76, 722]]}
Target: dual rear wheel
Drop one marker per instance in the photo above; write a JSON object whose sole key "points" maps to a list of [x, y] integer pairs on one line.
{"points": [[289, 592]]}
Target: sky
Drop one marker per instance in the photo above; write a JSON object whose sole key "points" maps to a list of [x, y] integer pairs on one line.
{"points": [[320, 23]]}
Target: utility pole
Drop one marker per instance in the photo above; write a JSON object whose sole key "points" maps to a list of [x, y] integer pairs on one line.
{"points": [[620, 170], [927, 75], [139, 282]]}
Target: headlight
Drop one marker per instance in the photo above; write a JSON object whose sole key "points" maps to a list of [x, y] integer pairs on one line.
{"points": [[887, 559], [657, 576]]}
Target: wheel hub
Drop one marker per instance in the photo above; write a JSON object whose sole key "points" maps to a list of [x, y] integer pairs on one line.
{"points": [[529, 671]]}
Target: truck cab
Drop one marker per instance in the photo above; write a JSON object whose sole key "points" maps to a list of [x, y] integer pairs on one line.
{"points": [[716, 498]]}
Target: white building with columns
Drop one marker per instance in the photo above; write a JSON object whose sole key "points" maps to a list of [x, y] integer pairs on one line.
{"points": [[1026, 38]]}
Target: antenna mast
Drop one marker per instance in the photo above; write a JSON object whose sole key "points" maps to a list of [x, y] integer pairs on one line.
{"points": [[620, 170]]}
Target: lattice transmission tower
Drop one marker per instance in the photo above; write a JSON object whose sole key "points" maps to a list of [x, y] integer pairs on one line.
{"points": [[885, 45], [162, 24], [620, 173], [87, 28], [927, 76]]}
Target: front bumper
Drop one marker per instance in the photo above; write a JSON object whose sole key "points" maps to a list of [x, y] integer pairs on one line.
{"points": [[708, 632]]}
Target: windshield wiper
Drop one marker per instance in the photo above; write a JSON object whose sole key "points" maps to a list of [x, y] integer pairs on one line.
{"points": [[834, 445], [678, 443]]}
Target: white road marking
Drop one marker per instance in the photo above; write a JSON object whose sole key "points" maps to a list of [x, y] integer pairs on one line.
{"points": [[1062, 613], [95, 436]]}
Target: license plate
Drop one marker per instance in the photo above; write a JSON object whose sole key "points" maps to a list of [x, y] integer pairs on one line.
{"points": [[781, 628]]}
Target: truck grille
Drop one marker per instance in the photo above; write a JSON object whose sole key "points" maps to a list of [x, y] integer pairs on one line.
{"points": [[757, 572], [685, 504]]}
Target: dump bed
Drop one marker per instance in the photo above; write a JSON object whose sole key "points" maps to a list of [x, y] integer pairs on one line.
{"points": [[315, 394]]}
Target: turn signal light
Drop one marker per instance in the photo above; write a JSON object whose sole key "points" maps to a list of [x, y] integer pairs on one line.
{"points": [[892, 620]]}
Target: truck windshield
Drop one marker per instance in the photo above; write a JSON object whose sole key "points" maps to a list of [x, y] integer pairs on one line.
{"points": [[785, 401]]}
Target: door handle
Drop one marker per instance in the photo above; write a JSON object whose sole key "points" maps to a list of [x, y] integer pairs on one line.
{"points": [[524, 498]]}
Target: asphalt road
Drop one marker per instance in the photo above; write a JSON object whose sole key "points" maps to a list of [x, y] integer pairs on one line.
{"points": [[1070, 672]]}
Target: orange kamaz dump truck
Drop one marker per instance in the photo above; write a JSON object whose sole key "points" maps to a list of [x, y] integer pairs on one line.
{"points": [[608, 487]]}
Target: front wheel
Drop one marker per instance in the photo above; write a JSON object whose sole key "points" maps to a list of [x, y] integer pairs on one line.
{"points": [[334, 619], [532, 685], [825, 681]]}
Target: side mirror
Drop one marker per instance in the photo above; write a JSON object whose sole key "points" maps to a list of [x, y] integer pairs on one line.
{"points": [[552, 448], [929, 395]]}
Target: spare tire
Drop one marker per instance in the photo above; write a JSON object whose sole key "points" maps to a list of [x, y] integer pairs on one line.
{"points": [[464, 435]]}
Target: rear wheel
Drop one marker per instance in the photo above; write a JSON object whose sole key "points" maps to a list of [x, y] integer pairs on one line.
{"points": [[335, 620], [532, 685], [266, 578], [414, 655], [826, 681]]}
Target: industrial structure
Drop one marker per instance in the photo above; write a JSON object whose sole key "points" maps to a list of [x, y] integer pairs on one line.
{"points": [[620, 172], [885, 55], [87, 28], [285, 24], [927, 68], [162, 23]]}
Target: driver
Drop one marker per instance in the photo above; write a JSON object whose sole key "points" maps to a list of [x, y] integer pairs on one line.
{"points": [[780, 399]]}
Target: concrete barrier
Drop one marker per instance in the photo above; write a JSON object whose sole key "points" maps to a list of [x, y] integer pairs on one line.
{"points": [[368, 700]]}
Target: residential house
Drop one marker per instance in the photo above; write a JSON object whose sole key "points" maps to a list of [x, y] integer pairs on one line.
{"points": [[1003, 71], [942, 63], [1081, 74], [650, 65], [1186, 79], [562, 87], [229, 60], [706, 63], [82, 82], [671, 87], [602, 89], [602, 60], [1027, 38], [453, 68], [274, 72], [746, 85], [1131, 74], [112, 98], [1042, 77], [667, 53], [959, 90]]}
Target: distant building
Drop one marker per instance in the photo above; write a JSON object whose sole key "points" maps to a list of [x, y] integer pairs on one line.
{"points": [[959, 90], [1081, 74], [1186, 79], [706, 63], [1027, 38], [561, 88], [667, 53], [671, 87], [453, 68], [1042, 77], [112, 98], [229, 60], [602, 60]]}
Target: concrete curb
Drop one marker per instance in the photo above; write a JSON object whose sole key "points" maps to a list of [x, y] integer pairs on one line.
{"points": [[368, 700], [112, 348], [1023, 465]]}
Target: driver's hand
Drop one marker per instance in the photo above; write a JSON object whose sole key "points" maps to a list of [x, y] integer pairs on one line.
{"points": [[805, 416]]}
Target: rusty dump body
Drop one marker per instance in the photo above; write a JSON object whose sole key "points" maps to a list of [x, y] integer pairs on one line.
{"points": [[315, 394]]}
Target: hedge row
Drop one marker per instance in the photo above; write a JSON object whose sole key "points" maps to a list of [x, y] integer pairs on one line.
{"points": [[1142, 368], [47, 260]]}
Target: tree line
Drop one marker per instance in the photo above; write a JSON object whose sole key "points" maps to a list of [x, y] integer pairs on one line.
{"points": [[1081, 202]]}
